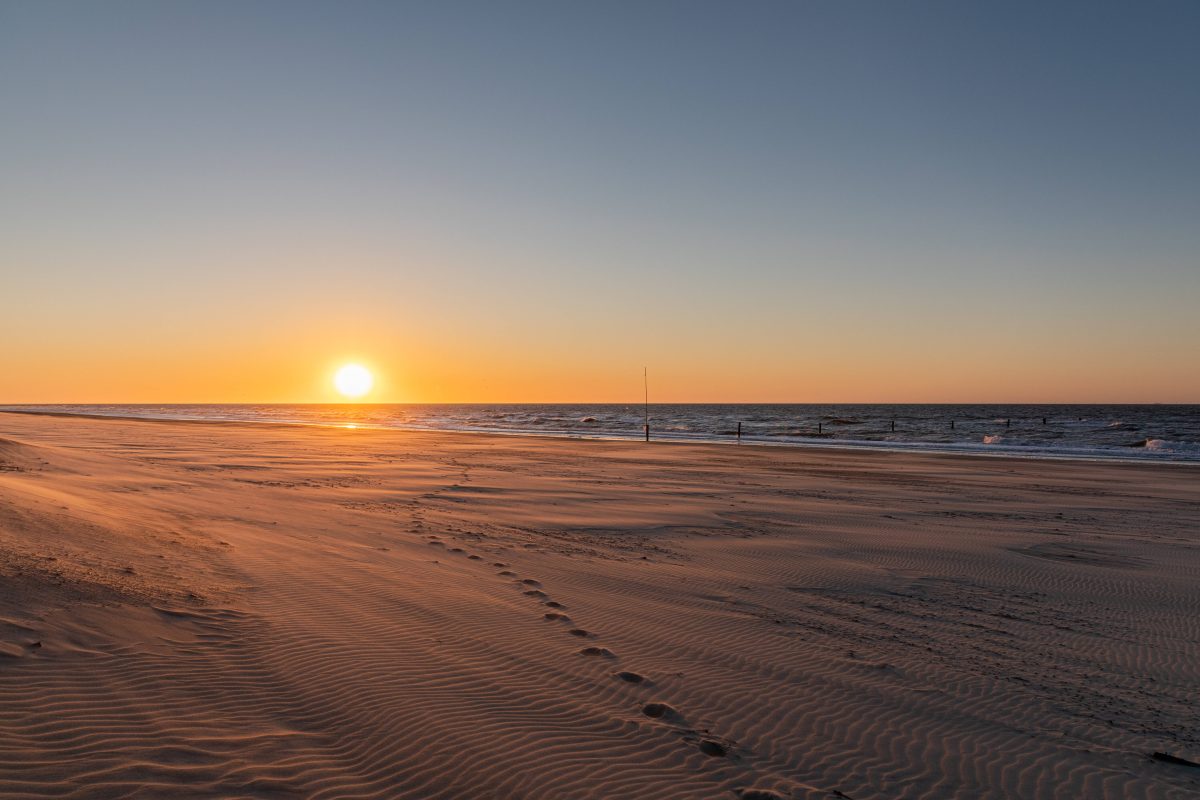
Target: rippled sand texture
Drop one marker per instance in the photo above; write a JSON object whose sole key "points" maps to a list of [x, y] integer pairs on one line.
{"points": [[202, 610]]}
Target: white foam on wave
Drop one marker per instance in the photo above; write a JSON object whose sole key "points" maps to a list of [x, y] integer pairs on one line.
{"points": [[1164, 446], [993, 439]]}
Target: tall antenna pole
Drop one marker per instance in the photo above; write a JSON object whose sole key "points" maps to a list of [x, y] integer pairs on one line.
{"points": [[646, 387]]}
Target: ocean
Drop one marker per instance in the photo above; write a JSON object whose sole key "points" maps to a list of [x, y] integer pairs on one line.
{"points": [[1126, 432]]}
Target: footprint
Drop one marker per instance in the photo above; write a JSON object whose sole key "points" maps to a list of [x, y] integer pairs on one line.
{"points": [[553, 616], [582, 633], [507, 573], [711, 748], [760, 794], [660, 711], [531, 582], [457, 550], [554, 604], [629, 677], [500, 564], [536, 593], [438, 544], [474, 557], [601, 652]]}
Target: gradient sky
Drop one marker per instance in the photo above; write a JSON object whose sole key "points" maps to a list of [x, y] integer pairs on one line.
{"points": [[803, 201]]}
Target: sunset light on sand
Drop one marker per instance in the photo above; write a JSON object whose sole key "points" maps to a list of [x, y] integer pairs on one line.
{"points": [[543, 400]]}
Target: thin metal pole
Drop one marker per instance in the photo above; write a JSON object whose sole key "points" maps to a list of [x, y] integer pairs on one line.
{"points": [[646, 387]]}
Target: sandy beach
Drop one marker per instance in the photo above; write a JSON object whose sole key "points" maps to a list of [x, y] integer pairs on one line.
{"points": [[212, 610]]}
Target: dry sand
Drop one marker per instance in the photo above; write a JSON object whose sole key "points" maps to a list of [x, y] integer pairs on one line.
{"points": [[204, 610]]}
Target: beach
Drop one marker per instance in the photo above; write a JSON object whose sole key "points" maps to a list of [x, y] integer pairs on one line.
{"points": [[195, 609]]}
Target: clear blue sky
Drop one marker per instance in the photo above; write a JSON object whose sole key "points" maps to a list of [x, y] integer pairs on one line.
{"points": [[526, 201]]}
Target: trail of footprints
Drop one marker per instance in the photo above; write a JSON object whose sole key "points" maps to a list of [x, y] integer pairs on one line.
{"points": [[706, 743]]}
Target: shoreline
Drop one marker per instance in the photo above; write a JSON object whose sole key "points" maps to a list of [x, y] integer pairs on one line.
{"points": [[964, 450]]}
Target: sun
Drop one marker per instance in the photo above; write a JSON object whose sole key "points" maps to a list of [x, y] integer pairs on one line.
{"points": [[353, 380]]}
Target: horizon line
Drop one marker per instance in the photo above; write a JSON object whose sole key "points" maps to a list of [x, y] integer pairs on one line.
{"points": [[620, 403]]}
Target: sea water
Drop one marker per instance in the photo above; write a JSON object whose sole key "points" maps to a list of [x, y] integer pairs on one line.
{"points": [[1142, 432]]}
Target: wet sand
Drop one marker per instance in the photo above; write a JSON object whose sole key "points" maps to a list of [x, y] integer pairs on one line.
{"points": [[210, 610]]}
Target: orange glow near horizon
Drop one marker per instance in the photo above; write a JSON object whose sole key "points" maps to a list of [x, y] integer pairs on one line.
{"points": [[435, 375], [225, 350]]}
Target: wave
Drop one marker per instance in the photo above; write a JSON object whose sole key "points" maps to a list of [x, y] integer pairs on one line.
{"points": [[1167, 434], [1174, 448]]}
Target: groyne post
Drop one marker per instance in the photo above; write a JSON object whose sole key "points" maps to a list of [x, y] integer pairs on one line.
{"points": [[739, 433]]}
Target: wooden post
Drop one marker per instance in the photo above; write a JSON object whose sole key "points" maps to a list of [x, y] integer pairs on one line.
{"points": [[893, 426], [1008, 423], [951, 424], [739, 433], [1043, 420], [818, 429], [647, 427]]}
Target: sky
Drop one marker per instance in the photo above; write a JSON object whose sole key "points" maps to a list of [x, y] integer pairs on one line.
{"points": [[530, 202]]}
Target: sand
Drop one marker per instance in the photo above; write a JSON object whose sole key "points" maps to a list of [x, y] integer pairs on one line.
{"points": [[207, 610]]}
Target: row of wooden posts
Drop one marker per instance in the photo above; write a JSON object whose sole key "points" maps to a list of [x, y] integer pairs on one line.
{"points": [[821, 427]]}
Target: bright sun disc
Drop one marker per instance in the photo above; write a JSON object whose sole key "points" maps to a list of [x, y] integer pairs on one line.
{"points": [[353, 380]]}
